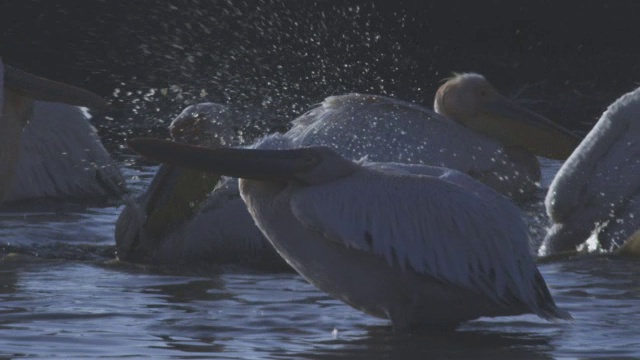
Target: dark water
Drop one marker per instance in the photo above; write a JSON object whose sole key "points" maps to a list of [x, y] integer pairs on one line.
{"points": [[62, 295]]}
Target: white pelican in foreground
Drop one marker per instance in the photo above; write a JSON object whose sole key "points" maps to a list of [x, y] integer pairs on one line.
{"points": [[47, 147], [597, 190], [424, 247], [356, 125]]}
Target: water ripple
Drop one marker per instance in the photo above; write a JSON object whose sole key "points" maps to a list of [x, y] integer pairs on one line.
{"points": [[62, 295]]}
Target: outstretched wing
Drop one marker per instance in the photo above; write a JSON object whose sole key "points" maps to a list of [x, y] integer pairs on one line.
{"points": [[468, 236], [62, 156]]}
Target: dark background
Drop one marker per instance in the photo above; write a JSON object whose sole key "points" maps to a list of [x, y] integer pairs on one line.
{"points": [[275, 59]]}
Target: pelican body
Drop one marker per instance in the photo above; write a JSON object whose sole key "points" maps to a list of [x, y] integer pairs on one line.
{"points": [[425, 247], [47, 147], [474, 130], [597, 190], [177, 220], [379, 128]]}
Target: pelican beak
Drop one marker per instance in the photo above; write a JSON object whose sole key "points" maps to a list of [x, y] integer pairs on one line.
{"points": [[175, 194], [631, 247], [42, 89], [514, 125], [270, 165]]}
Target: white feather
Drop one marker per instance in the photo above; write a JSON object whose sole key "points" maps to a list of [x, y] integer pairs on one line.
{"points": [[599, 184], [61, 156], [469, 237], [388, 129], [605, 168]]}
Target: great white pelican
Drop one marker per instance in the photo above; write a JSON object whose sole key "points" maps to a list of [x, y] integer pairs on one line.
{"points": [[425, 247], [596, 193]]}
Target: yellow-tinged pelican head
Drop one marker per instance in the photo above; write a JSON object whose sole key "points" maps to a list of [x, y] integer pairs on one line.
{"points": [[472, 101]]}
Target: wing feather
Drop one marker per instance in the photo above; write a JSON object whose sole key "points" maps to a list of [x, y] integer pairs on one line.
{"points": [[468, 236], [62, 156], [388, 129]]}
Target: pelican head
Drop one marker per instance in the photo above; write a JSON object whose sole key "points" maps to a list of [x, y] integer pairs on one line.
{"points": [[473, 102], [191, 172], [176, 193], [205, 124]]}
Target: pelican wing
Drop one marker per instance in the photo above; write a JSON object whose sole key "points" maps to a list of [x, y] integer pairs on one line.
{"points": [[62, 156], [387, 129], [468, 236], [604, 170]]}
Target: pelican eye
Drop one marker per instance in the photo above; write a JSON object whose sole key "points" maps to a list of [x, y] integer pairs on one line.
{"points": [[483, 91], [310, 159], [486, 91]]}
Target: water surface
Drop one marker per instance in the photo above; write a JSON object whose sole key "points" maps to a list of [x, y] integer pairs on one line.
{"points": [[62, 295]]}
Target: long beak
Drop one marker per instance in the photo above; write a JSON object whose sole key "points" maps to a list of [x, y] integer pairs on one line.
{"points": [[514, 125], [631, 247], [174, 195], [241, 163], [43, 89]]}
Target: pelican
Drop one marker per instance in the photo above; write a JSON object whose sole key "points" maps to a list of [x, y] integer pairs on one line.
{"points": [[47, 147], [597, 190], [425, 247], [356, 125], [175, 221], [474, 130]]}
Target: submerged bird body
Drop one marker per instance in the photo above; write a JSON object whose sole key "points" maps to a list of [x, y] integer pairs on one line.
{"points": [[47, 147], [425, 247], [597, 190]]}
